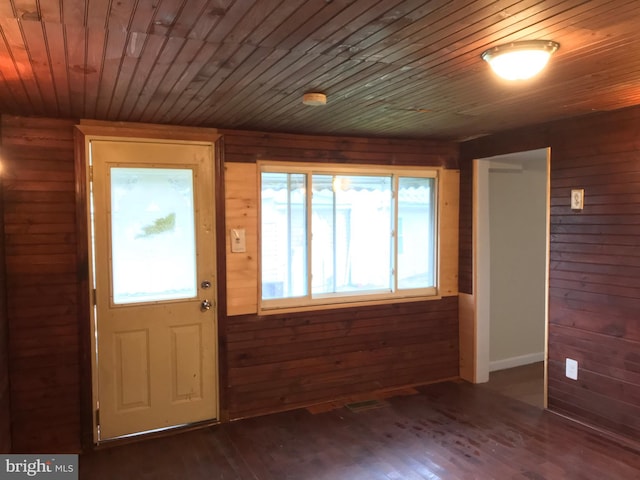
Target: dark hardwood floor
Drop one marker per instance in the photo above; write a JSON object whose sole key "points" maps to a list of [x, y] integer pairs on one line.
{"points": [[524, 383], [444, 431]]}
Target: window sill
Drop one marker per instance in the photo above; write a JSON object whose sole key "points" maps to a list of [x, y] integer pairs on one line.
{"points": [[262, 310]]}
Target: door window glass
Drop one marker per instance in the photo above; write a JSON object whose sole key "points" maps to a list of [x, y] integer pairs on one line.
{"points": [[153, 243]]}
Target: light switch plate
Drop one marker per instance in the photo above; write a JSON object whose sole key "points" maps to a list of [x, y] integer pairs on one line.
{"points": [[238, 240], [577, 199]]}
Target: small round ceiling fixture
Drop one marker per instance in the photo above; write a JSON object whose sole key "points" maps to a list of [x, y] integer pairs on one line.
{"points": [[314, 99], [520, 60]]}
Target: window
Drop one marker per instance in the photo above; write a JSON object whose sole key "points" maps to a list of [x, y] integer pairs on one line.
{"points": [[337, 235]]}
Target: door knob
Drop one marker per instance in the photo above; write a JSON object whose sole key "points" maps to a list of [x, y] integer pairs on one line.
{"points": [[205, 305]]}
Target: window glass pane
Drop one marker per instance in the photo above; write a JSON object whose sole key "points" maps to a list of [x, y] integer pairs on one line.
{"points": [[153, 242], [416, 229], [351, 233], [284, 239]]}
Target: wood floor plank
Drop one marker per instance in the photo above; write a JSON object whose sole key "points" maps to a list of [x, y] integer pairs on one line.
{"points": [[450, 430]]}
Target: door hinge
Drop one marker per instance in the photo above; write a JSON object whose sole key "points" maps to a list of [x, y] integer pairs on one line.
{"points": [[95, 302], [91, 173], [97, 417]]}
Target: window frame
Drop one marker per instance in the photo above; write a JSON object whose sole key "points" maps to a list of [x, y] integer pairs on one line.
{"points": [[345, 299]]}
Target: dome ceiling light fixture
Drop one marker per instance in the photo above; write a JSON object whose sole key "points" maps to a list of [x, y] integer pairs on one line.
{"points": [[520, 60], [314, 99]]}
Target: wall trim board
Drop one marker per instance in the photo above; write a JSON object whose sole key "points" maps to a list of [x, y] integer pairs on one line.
{"points": [[83, 296], [221, 275], [518, 361], [467, 336]]}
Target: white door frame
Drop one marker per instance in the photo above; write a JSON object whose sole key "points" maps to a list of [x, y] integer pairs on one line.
{"points": [[482, 267]]}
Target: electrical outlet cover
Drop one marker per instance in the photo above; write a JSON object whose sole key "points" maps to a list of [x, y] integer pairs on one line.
{"points": [[572, 369]]}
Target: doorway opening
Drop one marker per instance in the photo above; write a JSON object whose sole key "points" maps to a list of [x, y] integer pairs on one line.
{"points": [[511, 245]]}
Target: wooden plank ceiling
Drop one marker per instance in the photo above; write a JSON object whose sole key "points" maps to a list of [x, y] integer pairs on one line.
{"points": [[390, 68]]}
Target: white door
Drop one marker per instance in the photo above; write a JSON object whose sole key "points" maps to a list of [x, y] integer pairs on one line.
{"points": [[154, 270]]}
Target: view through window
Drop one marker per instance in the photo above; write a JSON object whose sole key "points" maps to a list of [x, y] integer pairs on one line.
{"points": [[336, 236]]}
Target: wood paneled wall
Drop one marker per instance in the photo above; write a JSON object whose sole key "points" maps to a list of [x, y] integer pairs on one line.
{"points": [[275, 362], [5, 394], [42, 283], [241, 146], [594, 293], [282, 361], [278, 362], [465, 234]]}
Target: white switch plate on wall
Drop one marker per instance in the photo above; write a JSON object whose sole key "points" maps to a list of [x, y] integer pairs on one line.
{"points": [[577, 199], [571, 369], [238, 240]]}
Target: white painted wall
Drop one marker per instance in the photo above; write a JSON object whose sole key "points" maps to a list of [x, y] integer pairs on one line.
{"points": [[517, 258]]}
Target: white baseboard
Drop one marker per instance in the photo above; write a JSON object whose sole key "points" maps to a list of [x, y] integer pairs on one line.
{"points": [[516, 361]]}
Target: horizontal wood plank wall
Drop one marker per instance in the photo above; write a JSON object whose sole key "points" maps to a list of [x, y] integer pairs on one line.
{"points": [[278, 362], [5, 403], [465, 233], [282, 361], [242, 146], [41, 278], [594, 292]]}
